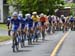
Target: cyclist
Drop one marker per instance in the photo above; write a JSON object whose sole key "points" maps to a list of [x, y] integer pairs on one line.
{"points": [[50, 23], [29, 22], [49, 19], [63, 22], [42, 21], [22, 32], [35, 18], [71, 20], [53, 23], [8, 24], [8, 21], [57, 24], [15, 25]]}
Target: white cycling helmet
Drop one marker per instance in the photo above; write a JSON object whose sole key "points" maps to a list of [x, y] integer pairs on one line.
{"points": [[62, 15], [41, 15], [34, 13], [20, 15], [51, 16], [15, 14], [27, 15]]}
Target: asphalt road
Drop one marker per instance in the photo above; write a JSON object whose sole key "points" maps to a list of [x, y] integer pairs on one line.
{"points": [[68, 47], [42, 48]]}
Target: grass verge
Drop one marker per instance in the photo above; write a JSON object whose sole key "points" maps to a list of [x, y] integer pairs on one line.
{"points": [[4, 38], [3, 27]]}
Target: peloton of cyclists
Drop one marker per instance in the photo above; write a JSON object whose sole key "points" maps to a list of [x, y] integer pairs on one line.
{"points": [[27, 28]]}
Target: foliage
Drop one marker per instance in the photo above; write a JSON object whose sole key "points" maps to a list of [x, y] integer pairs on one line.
{"points": [[28, 6], [72, 5]]}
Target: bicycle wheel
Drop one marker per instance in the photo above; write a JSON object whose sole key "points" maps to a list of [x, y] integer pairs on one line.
{"points": [[53, 30], [43, 35], [22, 40], [15, 43], [29, 38], [13, 46], [36, 36], [49, 30]]}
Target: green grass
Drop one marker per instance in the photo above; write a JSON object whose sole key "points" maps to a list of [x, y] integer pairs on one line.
{"points": [[4, 38], [3, 26]]}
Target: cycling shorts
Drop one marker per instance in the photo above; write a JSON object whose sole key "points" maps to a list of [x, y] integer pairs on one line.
{"points": [[23, 26], [35, 24], [42, 23], [71, 20]]}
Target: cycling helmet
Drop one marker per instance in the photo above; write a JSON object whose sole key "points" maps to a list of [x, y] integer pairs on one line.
{"points": [[20, 15], [62, 15], [15, 14], [52, 16], [34, 13], [28, 15], [41, 15]]}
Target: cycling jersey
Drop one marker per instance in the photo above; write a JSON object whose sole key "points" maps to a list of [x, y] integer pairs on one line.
{"points": [[71, 19], [54, 19], [15, 24], [35, 18], [23, 23], [42, 19], [29, 22], [49, 19]]}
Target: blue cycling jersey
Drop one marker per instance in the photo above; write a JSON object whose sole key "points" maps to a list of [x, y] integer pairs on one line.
{"points": [[23, 23], [15, 24], [29, 22], [71, 19]]}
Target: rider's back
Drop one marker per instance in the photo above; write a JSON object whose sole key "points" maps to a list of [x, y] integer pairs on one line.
{"points": [[35, 18]]}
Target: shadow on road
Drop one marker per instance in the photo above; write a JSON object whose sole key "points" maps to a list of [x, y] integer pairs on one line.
{"points": [[28, 46], [36, 44], [23, 51]]}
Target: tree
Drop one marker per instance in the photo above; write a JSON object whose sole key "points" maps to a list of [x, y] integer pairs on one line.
{"points": [[15, 3], [28, 6], [72, 5]]}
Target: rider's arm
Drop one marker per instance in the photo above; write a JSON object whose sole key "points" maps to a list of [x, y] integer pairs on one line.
{"points": [[19, 25], [32, 22]]}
